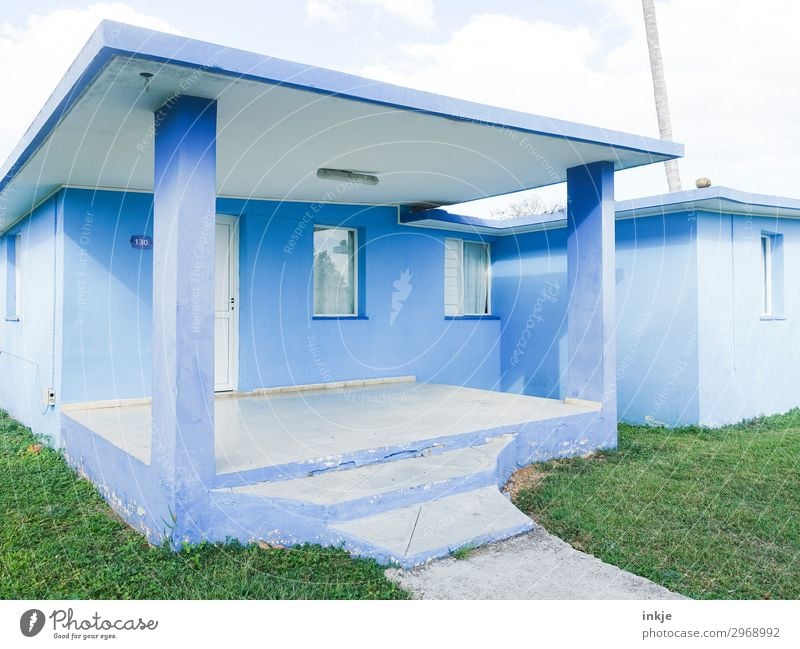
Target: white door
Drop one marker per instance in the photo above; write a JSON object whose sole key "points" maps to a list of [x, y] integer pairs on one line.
{"points": [[226, 304]]}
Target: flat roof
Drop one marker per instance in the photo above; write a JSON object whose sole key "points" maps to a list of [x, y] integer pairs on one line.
{"points": [[444, 220], [713, 200], [279, 121], [719, 200]]}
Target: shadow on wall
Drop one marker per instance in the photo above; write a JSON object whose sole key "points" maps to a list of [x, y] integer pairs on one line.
{"points": [[534, 335]]}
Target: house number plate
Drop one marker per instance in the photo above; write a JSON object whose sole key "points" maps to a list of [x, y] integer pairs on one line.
{"points": [[141, 242]]}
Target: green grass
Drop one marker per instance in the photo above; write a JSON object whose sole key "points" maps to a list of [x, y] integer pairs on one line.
{"points": [[58, 539], [707, 513], [464, 552]]}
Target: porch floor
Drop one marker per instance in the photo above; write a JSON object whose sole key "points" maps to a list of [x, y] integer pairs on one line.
{"points": [[256, 431]]}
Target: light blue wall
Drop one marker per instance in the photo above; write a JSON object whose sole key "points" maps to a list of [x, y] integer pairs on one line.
{"points": [[29, 347], [108, 294], [529, 292], [281, 343], [663, 324], [656, 316], [748, 365], [108, 288], [657, 320]]}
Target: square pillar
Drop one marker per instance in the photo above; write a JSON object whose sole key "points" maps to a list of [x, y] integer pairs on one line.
{"points": [[184, 217], [591, 282]]}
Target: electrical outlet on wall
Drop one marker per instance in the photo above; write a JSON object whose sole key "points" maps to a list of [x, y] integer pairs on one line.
{"points": [[49, 397]]}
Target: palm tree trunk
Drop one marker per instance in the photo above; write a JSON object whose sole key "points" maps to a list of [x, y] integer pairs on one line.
{"points": [[660, 90]]}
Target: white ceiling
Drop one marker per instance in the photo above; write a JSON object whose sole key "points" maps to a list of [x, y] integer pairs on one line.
{"points": [[273, 138]]}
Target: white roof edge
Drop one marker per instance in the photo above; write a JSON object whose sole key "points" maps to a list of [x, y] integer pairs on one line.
{"points": [[713, 200]]}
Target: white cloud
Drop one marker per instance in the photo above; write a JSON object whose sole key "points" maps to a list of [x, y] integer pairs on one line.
{"points": [[36, 56], [731, 68], [538, 67], [325, 11], [338, 12]]}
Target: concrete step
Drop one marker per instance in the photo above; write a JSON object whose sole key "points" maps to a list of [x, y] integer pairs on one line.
{"points": [[355, 492], [311, 467], [434, 528]]}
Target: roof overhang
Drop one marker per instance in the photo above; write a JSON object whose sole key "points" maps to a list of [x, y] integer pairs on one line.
{"points": [[711, 200], [279, 121], [716, 200], [444, 220]]}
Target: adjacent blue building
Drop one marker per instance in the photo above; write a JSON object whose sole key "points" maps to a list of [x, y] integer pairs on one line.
{"points": [[231, 297], [706, 292]]}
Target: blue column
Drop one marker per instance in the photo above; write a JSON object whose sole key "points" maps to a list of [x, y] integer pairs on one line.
{"points": [[591, 286], [183, 309]]}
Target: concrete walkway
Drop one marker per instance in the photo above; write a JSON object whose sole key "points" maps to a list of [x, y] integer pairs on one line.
{"points": [[536, 565]]}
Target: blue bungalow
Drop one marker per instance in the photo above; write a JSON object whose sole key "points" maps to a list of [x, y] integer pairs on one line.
{"points": [[225, 302], [707, 307]]}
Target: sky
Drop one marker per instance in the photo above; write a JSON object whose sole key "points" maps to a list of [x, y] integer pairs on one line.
{"points": [[731, 65]]}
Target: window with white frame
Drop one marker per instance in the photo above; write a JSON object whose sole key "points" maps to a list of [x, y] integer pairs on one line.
{"points": [[335, 272], [13, 277], [466, 278], [772, 279], [766, 274]]}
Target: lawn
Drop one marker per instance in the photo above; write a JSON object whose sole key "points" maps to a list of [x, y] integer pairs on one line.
{"points": [[707, 513], [58, 539]]}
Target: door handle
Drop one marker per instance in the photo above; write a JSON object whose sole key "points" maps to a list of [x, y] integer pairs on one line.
{"points": [[233, 303]]}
